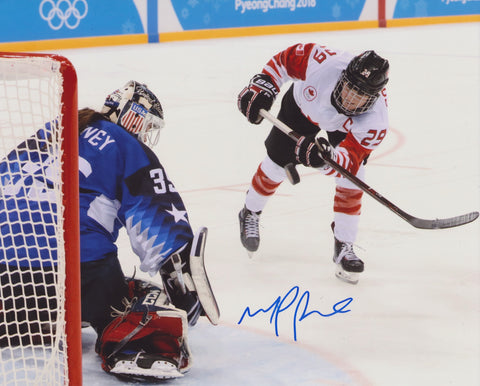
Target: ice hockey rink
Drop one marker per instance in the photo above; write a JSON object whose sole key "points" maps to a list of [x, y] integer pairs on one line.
{"points": [[414, 317]]}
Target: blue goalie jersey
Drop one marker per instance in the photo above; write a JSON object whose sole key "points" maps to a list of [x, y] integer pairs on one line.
{"points": [[123, 184], [28, 207]]}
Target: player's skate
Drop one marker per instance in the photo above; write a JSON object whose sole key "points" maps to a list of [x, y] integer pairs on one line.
{"points": [[143, 367], [348, 264], [249, 233]]}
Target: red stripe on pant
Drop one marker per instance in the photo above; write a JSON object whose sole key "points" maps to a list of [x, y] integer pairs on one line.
{"points": [[348, 201], [262, 184]]}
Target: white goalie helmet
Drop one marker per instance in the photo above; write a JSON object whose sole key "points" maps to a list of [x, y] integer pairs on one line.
{"points": [[137, 110]]}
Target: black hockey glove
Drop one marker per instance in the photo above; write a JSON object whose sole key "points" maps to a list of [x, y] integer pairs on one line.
{"points": [[177, 282], [307, 151], [259, 94]]}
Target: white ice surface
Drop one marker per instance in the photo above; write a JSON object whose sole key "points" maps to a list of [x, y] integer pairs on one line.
{"points": [[414, 316]]}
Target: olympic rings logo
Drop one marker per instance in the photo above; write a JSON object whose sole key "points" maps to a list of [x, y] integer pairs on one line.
{"points": [[63, 12]]}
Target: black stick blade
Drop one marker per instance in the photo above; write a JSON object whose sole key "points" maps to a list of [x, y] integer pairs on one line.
{"points": [[443, 223]]}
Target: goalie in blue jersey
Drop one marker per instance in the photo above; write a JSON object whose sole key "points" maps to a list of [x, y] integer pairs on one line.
{"points": [[28, 240], [123, 184], [141, 326]]}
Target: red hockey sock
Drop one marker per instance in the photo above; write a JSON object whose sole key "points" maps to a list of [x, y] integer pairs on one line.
{"points": [[348, 201], [262, 184]]}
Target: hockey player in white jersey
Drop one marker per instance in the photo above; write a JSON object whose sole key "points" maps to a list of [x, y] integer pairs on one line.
{"points": [[334, 91]]}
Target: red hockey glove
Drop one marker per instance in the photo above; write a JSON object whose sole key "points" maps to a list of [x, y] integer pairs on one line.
{"points": [[259, 94]]}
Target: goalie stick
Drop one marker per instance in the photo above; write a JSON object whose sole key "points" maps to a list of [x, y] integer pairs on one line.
{"points": [[412, 220]]}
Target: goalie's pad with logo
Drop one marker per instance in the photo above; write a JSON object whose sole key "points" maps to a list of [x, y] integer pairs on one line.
{"points": [[147, 340]]}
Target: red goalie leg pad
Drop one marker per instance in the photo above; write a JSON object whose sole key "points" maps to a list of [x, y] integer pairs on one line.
{"points": [[149, 332], [262, 184], [348, 201]]}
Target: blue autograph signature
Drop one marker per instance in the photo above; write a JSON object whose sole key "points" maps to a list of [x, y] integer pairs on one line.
{"points": [[282, 304]]}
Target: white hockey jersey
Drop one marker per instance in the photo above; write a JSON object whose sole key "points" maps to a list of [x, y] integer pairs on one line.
{"points": [[315, 70]]}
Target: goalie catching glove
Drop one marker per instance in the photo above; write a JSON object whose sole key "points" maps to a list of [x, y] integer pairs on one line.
{"points": [[309, 151], [259, 94]]}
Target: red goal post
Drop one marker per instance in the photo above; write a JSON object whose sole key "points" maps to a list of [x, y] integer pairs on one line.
{"points": [[39, 134]]}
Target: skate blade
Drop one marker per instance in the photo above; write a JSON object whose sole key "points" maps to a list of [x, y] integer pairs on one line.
{"points": [[159, 370], [250, 253], [347, 277]]}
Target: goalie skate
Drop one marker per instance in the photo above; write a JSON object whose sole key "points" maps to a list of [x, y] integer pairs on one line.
{"points": [[142, 367], [200, 278]]}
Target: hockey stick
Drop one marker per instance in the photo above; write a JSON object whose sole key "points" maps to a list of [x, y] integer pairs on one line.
{"points": [[414, 221], [290, 170]]}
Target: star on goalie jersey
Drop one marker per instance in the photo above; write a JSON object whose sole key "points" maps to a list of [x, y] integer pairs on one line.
{"points": [[122, 183], [27, 202]]}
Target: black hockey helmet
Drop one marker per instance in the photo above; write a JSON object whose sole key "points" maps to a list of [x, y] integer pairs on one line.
{"points": [[365, 76], [137, 110]]}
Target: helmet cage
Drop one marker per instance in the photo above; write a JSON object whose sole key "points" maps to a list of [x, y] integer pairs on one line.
{"points": [[137, 110], [150, 133], [139, 121], [360, 84], [351, 100]]}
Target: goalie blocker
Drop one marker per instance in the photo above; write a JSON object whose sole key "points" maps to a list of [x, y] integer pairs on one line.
{"points": [[186, 282]]}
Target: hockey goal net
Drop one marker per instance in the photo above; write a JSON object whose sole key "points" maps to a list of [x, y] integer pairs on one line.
{"points": [[40, 327]]}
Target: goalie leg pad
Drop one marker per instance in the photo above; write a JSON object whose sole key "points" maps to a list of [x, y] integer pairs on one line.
{"points": [[149, 340], [138, 288]]}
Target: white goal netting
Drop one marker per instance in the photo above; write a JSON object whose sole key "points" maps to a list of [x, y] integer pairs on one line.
{"points": [[33, 339]]}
